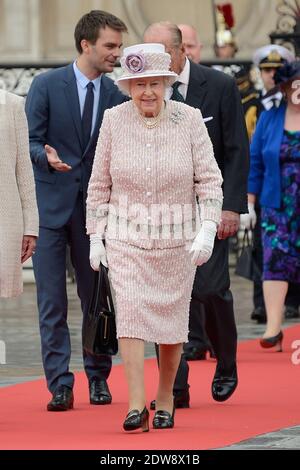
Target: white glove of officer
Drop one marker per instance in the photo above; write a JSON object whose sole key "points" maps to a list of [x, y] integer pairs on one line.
{"points": [[97, 252], [248, 221], [203, 244]]}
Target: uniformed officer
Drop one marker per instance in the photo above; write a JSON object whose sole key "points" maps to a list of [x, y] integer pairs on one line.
{"points": [[250, 97], [268, 59]]}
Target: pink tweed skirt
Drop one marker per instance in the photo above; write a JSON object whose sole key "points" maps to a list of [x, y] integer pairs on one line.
{"points": [[152, 290]]}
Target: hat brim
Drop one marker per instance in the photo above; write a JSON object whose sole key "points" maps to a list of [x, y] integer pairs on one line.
{"points": [[271, 65], [123, 82]]}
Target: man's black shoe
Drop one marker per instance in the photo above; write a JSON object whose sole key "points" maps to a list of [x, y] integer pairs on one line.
{"points": [[181, 400], [194, 354], [152, 405], [291, 312], [62, 399], [99, 392], [259, 315], [224, 384]]}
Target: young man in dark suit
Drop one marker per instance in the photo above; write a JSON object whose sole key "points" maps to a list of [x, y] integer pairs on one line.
{"points": [[217, 96], [65, 108]]}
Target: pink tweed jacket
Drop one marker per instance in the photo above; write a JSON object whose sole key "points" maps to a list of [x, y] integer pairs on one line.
{"points": [[145, 181]]}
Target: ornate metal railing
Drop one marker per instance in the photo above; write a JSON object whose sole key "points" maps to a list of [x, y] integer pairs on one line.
{"points": [[17, 78], [288, 25]]}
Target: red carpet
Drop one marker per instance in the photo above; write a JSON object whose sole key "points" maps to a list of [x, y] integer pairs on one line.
{"points": [[267, 399]]}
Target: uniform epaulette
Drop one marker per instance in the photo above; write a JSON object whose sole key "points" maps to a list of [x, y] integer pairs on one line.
{"points": [[250, 97]]}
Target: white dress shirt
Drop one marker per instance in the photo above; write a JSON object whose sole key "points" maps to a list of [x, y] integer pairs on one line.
{"points": [[273, 100]]}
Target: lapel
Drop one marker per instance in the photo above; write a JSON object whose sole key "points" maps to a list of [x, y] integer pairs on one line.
{"points": [[197, 87], [276, 128], [104, 100], [73, 100]]}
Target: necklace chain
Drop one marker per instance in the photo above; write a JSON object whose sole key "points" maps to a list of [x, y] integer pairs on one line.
{"points": [[150, 123]]}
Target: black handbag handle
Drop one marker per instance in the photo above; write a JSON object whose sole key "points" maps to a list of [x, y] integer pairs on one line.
{"points": [[246, 239], [101, 277], [104, 272]]}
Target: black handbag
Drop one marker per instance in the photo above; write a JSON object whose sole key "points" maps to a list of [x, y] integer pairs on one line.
{"points": [[246, 265], [99, 335]]}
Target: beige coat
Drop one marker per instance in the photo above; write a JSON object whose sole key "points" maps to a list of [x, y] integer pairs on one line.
{"points": [[18, 208], [139, 170]]}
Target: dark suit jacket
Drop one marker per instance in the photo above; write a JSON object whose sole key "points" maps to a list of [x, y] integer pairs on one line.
{"points": [[217, 96], [53, 113]]}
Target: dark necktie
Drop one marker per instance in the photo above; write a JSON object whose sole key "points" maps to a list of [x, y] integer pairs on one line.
{"points": [[176, 95], [275, 102], [87, 115]]}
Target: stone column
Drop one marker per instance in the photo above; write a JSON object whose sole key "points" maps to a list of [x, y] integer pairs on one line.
{"points": [[19, 30], [43, 29]]}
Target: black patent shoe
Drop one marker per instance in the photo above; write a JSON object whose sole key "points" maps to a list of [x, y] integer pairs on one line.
{"points": [[163, 419], [291, 312], [224, 384], [259, 315], [99, 392], [273, 342], [62, 400], [181, 400], [135, 420]]}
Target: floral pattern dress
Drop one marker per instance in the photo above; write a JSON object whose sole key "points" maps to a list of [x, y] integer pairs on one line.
{"points": [[281, 227]]}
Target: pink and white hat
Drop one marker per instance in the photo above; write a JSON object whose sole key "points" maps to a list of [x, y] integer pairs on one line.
{"points": [[145, 60]]}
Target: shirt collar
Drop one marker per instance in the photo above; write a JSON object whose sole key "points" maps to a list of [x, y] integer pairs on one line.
{"points": [[184, 77], [276, 96], [83, 80]]}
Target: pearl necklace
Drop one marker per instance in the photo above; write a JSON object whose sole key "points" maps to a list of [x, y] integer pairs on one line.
{"points": [[150, 123]]}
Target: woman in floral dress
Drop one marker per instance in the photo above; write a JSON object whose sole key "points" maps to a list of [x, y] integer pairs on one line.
{"points": [[275, 178]]}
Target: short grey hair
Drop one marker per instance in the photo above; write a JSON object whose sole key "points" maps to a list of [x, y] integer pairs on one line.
{"points": [[171, 27]]}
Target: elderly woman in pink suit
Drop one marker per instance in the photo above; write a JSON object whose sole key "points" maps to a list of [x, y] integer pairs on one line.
{"points": [[153, 158]]}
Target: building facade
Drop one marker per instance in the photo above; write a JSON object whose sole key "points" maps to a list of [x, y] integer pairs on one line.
{"points": [[42, 30]]}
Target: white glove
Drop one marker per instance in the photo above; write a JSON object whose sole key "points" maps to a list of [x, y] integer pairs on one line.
{"points": [[248, 221], [97, 252], [203, 244]]}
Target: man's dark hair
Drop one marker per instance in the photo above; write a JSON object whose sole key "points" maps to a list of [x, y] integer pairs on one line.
{"points": [[88, 26]]}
